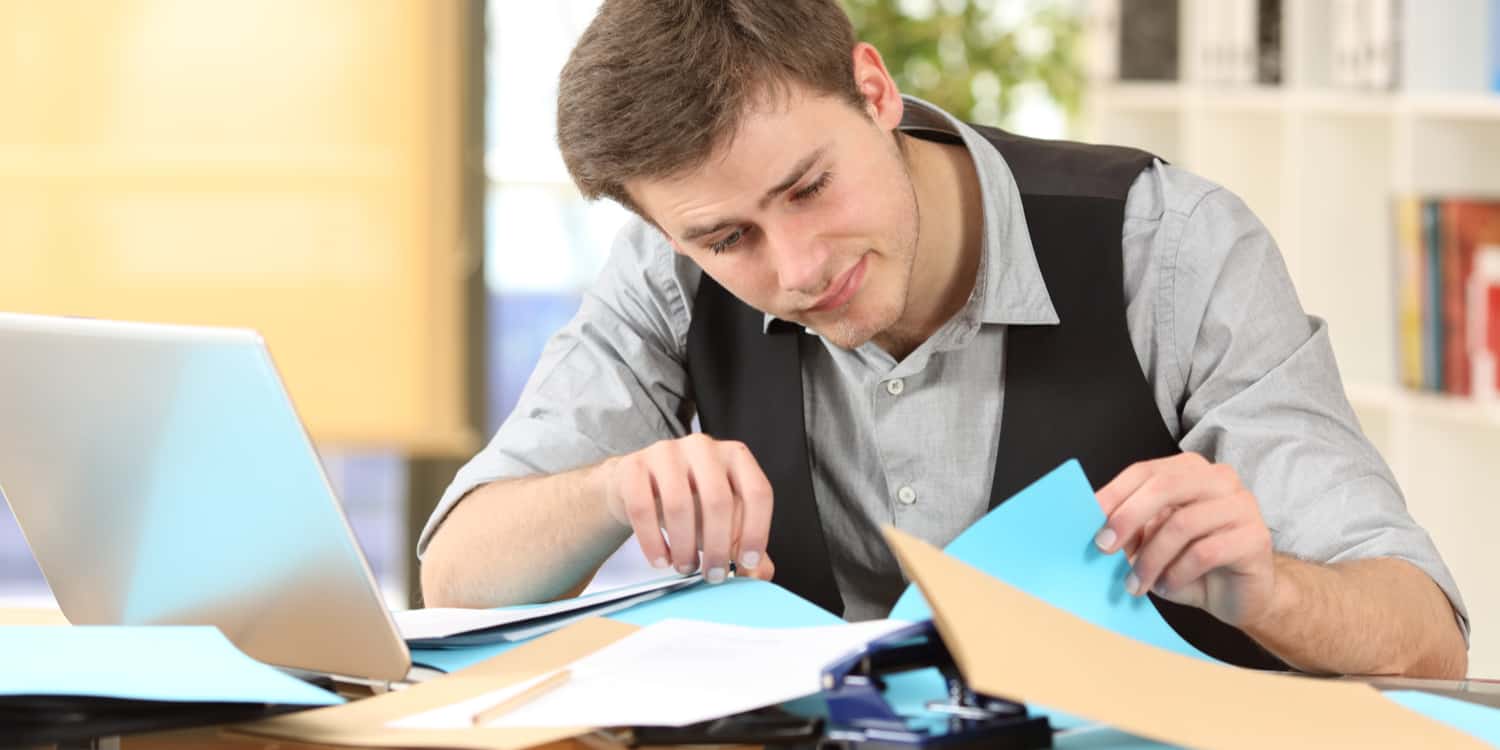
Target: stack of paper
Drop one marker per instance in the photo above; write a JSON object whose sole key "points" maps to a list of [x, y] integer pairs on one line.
{"points": [[65, 683], [737, 601], [673, 673], [446, 627]]}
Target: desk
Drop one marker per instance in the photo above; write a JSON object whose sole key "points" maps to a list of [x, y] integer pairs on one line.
{"points": [[1479, 691], [211, 737]]}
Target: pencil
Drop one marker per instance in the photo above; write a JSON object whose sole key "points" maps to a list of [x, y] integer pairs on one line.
{"points": [[522, 698]]}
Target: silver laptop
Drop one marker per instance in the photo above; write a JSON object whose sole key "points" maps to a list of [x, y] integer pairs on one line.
{"points": [[161, 476]]}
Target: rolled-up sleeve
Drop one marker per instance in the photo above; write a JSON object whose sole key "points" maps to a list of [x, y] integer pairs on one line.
{"points": [[611, 382], [1260, 391]]}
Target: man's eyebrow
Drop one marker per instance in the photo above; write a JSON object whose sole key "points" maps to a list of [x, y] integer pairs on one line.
{"points": [[793, 176], [693, 233]]}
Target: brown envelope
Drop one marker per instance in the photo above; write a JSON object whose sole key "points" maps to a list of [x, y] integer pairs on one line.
{"points": [[1010, 644], [362, 722]]}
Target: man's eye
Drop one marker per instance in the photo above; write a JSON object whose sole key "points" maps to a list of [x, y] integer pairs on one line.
{"points": [[813, 189], [729, 241]]}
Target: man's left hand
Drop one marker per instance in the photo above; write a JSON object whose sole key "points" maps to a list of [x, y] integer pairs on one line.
{"points": [[1193, 535]]}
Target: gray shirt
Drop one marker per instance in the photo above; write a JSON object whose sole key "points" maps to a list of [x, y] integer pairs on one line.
{"points": [[1240, 374]]}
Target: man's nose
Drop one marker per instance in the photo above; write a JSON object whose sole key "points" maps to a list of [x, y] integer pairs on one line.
{"points": [[801, 262]]}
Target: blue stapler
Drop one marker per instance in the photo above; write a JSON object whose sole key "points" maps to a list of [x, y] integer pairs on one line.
{"points": [[859, 715]]}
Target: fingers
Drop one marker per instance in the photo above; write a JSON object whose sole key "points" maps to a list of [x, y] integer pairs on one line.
{"points": [[1193, 534], [642, 511], [754, 493], [716, 506], [1185, 526], [1134, 543], [706, 494], [679, 513], [1145, 490], [1111, 495], [1208, 553], [762, 572]]}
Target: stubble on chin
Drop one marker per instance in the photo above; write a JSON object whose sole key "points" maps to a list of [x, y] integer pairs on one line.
{"points": [[847, 334]]}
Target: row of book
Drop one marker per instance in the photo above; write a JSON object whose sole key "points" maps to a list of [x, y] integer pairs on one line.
{"points": [[1365, 52], [1416, 45], [1448, 294]]}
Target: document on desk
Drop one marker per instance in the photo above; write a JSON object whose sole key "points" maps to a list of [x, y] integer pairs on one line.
{"points": [[447, 627], [1041, 541], [737, 601], [673, 673]]}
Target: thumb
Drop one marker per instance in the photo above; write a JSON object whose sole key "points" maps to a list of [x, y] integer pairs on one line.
{"points": [[761, 572]]}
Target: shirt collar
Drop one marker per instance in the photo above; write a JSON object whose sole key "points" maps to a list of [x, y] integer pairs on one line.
{"points": [[1009, 288]]}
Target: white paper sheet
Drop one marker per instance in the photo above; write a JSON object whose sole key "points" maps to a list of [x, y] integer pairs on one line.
{"points": [[442, 622], [673, 673]]}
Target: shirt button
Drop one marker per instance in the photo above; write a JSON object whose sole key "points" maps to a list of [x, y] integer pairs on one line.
{"points": [[906, 495], [895, 387]]}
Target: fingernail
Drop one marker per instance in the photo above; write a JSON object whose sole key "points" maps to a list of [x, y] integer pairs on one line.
{"points": [[1133, 584], [715, 575], [1105, 539], [660, 563], [1160, 589], [684, 569], [749, 559]]}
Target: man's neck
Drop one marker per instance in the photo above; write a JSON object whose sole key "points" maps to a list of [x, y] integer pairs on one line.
{"points": [[949, 244]]}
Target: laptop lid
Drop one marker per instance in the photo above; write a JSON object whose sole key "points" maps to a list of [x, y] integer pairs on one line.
{"points": [[161, 476]]}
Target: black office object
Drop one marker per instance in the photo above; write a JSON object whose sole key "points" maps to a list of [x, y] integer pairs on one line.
{"points": [[28, 721], [860, 717], [767, 726]]}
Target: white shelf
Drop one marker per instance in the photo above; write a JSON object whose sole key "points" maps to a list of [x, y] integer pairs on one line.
{"points": [[1433, 407], [1264, 99], [1139, 97], [1477, 106], [1344, 103], [1127, 96]]}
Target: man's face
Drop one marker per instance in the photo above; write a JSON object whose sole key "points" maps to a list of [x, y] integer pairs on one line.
{"points": [[808, 214]]}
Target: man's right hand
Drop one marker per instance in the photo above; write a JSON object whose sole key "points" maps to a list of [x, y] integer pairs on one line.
{"points": [[706, 494]]}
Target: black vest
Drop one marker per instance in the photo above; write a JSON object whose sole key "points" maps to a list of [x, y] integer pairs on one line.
{"points": [[1073, 390]]}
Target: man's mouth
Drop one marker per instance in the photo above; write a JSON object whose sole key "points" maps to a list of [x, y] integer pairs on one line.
{"points": [[842, 289]]}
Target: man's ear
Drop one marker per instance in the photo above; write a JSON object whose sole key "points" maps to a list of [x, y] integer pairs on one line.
{"points": [[882, 97]]}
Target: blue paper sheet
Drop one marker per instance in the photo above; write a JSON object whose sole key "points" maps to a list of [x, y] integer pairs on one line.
{"points": [[168, 663], [1042, 542], [1481, 721]]}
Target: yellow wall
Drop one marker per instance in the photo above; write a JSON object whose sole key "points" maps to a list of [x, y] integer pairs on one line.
{"points": [[287, 165]]}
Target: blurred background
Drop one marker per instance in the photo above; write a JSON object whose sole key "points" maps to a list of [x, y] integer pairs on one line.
{"points": [[374, 185]]}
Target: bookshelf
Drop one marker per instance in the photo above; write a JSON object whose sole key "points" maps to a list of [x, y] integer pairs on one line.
{"points": [[1320, 165]]}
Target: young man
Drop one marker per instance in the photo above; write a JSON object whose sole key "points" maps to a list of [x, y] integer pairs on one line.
{"points": [[882, 315]]}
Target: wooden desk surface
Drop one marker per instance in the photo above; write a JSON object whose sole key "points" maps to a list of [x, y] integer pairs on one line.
{"points": [[212, 737]]}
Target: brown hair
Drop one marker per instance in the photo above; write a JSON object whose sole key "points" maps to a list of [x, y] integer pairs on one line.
{"points": [[655, 86]]}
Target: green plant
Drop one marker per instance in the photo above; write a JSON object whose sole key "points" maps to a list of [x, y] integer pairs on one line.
{"points": [[971, 57]]}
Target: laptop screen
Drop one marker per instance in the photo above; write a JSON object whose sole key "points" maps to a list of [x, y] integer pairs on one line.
{"points": [[161, 476]]}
